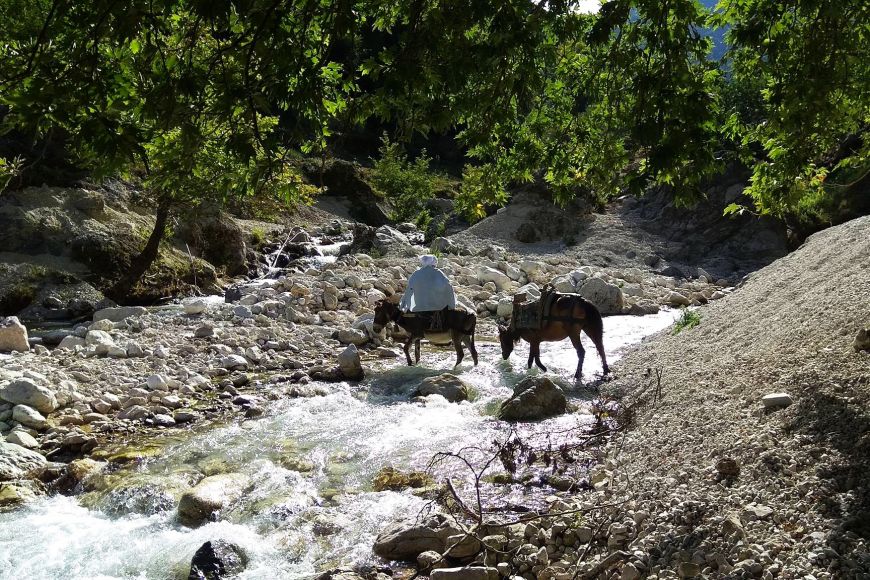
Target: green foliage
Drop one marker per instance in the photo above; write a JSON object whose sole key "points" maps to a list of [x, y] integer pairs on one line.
{"points": [[258, 236], [213, 100], [688, 319], [8, 170], [406, 184]]}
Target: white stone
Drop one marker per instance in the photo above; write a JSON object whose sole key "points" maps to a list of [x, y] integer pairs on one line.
{"points": [[13, 335], [775, 400], [29, 417], [157, 382], [27, 392], [103, 324], [71, 342], [22, 438]]}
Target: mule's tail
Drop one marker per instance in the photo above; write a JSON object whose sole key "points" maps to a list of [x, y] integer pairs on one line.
{"points": [[594, 329]]}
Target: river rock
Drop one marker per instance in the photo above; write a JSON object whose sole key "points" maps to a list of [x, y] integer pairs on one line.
{"points": [[103, 324], [564, 284], [100, 340], [465, 573], [534, 398], [387, 237], [13, 335], [606, 297], [350, 364], [13, 495], [234, 361], [195, 306], [776, 400], [447, 385], [352, 336], [71, 342], [29, 417], [204, 501], [16, 461], [501, 280], [862, 340], [674, 298], [26, 392], [405, 541], [217, 559], [119, 313], [22, 438]]}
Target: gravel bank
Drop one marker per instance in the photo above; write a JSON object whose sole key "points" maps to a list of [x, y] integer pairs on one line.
{"points": [[799, 507]]}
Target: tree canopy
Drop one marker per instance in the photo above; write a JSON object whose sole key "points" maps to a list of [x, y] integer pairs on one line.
{"points": [[212, 98]]}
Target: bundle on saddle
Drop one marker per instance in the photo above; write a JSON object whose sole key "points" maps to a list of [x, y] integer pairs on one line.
{"points": [[444, 320], [534, 313]]}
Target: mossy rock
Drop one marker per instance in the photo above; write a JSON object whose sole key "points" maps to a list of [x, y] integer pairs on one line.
{"points": [[391, 479]]}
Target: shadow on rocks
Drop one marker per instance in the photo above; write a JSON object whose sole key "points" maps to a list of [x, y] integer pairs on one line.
{"points": [[831, 421]]}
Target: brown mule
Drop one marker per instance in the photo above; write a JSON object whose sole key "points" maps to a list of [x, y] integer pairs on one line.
{"points": [[458, 328], [569, 315]]}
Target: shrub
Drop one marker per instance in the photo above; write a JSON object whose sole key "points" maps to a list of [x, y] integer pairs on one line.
{"points": [[688, 319], [406, 184]]}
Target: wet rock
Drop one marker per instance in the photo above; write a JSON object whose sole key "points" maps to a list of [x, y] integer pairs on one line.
{"points": [[466, 573], [406, 541], [534, 398], [606, 297], [29, 417], [217, 559], [206, 499], [27, 392], [349, 363], [862, 340], [447, 385], [13, 335], [234, 361], [776, 400], [391, 479], [16, 461], [15, 494], [119, 313]]}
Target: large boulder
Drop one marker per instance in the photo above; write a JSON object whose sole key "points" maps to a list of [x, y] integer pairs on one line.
{"points": [[13, 335], [205, 500], [405, 541], [447, 385], [605, 296], [218, 238], [501, 280], [16, 461], [350, 364], [26, 392], [217, 559], [387, 238], [534, 398]]}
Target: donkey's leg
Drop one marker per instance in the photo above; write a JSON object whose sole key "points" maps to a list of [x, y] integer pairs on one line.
{"points": [[408, 351], [469, 342], [417, 350], [581, 353], [457, 345], [538, 357], [599, 346], [531, 354]]}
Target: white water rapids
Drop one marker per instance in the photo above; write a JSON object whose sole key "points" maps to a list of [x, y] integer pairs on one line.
{"points": [[292, 524]]}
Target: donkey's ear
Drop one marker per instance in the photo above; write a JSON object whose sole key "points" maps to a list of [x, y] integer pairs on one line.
{"points": [[501, 328]]}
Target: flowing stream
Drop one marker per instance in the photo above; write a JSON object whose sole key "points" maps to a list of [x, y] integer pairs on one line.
{"points": [[310, 463]]}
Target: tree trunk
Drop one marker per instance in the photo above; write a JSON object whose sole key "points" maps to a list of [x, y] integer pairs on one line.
{"points": [[140, 264]]}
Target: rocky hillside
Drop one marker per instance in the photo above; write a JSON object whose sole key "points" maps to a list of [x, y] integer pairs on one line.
{"points": [[741, 483], [61, 248]]}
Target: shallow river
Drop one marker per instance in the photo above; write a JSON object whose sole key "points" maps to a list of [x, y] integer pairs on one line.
{"points": [[311, 463]]}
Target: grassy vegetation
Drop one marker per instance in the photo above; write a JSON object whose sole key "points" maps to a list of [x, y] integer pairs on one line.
{"points": [[688, 319]]}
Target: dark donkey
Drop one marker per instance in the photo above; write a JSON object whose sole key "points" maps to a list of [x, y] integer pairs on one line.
{"points": [[569, 315], [458, 329]]}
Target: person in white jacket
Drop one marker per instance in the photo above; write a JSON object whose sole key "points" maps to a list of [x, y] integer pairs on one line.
{"points": [[429, 290]]}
